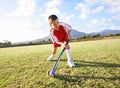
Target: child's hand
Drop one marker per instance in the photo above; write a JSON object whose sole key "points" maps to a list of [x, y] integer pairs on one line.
{"points": [[63, 45]]}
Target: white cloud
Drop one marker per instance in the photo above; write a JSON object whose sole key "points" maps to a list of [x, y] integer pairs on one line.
{"points": [[84, 13], [84, 10], [53, 3], [114, 6], [92, 2], [95, 21], [24, 8], [98, 9], [114, 9], [112, 2], [102, 21], [24, 30], [88, 7], [117, 17], [51, 7], [69, 17], [50, 11], [98, 25], [36, 25], [112, 27]]}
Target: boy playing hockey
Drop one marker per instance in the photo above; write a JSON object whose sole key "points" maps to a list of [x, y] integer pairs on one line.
{"points": [[60, 34]]}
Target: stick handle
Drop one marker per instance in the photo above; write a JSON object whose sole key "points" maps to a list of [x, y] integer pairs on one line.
{"points": [[58, 60], [67, 42]]}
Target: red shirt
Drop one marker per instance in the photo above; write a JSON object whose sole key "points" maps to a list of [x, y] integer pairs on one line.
{"points": [[58, 35], [61, 34]]}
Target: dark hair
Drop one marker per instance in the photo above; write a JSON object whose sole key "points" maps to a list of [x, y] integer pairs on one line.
{"points": [[52, 18]]}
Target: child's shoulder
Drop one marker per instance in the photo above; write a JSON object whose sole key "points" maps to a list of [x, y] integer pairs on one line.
{"points": [[64, 24]]}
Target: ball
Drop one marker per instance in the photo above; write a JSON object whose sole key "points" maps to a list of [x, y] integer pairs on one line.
{"points": [[51, 73]]}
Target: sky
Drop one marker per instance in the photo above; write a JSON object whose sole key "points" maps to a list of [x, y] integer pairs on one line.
{"points": [[24, 20]]}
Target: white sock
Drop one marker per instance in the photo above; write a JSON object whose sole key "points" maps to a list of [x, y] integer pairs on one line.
{"points": [[52, 55], [68, 54]]}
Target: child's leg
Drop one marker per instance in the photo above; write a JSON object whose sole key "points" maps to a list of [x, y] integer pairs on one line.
{"points": [[70, 60], [53, 53], [67, 49], [54, 50]]}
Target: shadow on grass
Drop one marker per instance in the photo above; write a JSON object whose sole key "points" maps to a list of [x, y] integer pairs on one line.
{"points": [[80, 63], [79, 79], [60, 60]]}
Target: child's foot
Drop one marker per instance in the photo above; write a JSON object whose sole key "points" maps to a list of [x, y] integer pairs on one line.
{"points": [[50, 57], [71, 63]]}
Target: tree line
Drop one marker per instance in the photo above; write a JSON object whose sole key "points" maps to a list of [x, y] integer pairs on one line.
{"points": [[7, 43], [94, 37]]}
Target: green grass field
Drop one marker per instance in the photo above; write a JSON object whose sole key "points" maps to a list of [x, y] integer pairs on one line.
{"points": [[97, 66]]}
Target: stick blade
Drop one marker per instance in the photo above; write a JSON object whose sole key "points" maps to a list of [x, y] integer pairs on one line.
{"points": [[51, 73]]}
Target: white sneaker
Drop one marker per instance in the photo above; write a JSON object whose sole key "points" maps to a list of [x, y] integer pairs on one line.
{"points": [[50, 57], [71, 63]]}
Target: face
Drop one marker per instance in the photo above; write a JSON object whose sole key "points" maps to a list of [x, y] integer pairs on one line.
{"points": [[55, 24]]}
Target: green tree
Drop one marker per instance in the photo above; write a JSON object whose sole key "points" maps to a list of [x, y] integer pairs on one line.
{"points": [[7, 43], [96, 36], [117, 34]]}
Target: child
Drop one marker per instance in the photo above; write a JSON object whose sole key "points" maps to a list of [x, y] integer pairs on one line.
{"points": [[60, 33]]}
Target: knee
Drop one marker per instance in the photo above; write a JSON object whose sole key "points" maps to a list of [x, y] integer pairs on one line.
{"points": [[54, 50]]}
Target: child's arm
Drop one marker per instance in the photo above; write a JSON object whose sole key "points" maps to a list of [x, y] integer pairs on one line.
{"points": [[61, 43]]}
